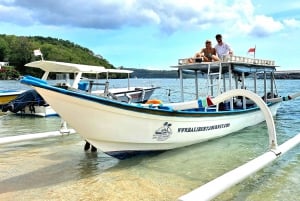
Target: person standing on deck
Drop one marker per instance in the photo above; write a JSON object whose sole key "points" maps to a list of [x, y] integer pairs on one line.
{"points": [[222, 48]]}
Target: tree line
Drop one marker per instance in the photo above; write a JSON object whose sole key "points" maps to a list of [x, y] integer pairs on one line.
{"points": [[18, 50]]}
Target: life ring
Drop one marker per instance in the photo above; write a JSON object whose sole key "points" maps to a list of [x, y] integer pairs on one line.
{"points": [[154, 101]]}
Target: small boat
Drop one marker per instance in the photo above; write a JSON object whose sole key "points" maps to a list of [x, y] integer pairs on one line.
{"points": [[120, 128], [6, 95], [29, 103]]}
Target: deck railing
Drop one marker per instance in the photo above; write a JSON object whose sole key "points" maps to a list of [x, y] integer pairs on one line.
{"points": [[237, 59], [241, 59]]}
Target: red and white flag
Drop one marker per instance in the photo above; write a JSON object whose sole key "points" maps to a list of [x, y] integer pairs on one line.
{"points": [[251, 50]]}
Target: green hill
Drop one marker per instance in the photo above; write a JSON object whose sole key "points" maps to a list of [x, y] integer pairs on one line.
{"points": [[18, 50]]}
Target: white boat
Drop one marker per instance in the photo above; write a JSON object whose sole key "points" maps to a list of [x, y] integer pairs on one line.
{"points": [[119, 128], [129, 93]]}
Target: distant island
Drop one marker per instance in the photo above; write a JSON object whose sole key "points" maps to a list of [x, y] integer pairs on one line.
{"points": [[288, 74], [144, 73]]}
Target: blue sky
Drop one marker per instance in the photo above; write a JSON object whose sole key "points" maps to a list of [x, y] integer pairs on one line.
{"points": [[155, 34]]}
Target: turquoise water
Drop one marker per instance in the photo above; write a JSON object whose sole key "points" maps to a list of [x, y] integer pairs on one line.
{"points": [[59, 169]]}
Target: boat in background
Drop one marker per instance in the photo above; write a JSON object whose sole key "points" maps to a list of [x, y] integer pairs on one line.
{"points": [[121, 128], [30, 104], [7, 95]]}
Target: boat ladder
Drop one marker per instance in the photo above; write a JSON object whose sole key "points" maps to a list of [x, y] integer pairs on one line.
{"points": [[214, 80]]}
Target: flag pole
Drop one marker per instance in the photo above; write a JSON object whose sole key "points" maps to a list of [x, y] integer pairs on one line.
{"points": [[43, 57], [254, 51]]}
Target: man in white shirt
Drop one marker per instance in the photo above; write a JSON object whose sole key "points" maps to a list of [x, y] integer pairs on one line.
{"points": [[222, 48]]}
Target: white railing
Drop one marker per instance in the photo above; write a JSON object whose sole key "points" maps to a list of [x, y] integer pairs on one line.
{"points": [[237, 59], [248, 60]]}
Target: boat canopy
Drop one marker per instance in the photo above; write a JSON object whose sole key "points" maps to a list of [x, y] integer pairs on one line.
{"points": [[78, 69], [54, 66]]}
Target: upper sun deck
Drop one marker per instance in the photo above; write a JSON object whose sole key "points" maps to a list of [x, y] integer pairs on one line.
{"points": [[235, 63]]}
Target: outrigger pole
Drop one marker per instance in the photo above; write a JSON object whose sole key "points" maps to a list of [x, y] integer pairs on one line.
{"points": [[217, 186], [20, 138]]}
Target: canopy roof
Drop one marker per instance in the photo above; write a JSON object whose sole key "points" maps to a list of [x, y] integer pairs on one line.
{"points": [[63, 67]]}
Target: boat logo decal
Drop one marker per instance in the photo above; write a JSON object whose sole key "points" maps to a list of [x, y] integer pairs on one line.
{"points": [[163, 133]]}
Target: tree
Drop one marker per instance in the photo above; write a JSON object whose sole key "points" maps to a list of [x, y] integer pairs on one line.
{"points": [[21, 53], [3, 50]]}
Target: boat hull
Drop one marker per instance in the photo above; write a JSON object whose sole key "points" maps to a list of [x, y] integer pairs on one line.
{"points": [[40, 111], [119, 127]]}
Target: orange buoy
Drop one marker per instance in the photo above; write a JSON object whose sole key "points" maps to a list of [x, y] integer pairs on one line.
{"points": [[154, 101]]}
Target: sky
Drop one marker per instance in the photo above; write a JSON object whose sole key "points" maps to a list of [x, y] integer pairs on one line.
{"points": [[155, 34]]}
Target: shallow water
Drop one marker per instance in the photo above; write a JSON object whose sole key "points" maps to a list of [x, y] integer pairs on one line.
{"points": [[59, 169]]}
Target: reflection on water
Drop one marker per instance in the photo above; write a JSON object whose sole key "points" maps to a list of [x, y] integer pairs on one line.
{"points": [[92, 164], [59, 169]]}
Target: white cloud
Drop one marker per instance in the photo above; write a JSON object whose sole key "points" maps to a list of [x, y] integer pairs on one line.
{"points": [[11, 14], [292, 23], [263, 26], [150, 14], [167, 15]]}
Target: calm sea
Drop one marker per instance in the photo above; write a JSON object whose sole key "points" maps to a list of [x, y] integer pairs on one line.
{"points": [[59, 169]]}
